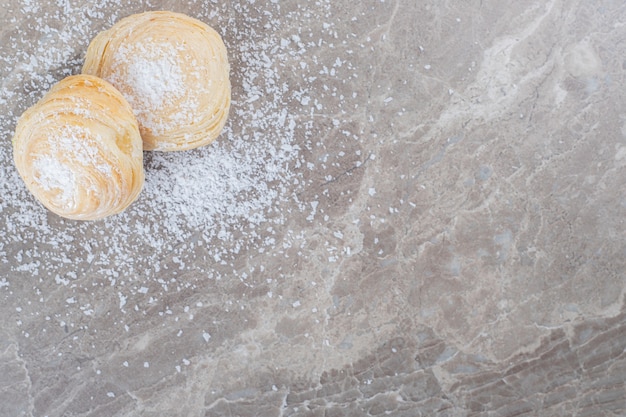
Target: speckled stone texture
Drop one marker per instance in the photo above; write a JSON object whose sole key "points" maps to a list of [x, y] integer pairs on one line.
{"points": [[422, 213]]}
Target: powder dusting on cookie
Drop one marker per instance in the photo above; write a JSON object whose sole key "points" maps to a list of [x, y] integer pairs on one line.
{"points": [[52, 174], [200, 210], [73, 161], [151, 78]]}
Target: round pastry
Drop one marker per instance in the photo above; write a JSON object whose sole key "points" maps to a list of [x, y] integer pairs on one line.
{"points": [[174, 72], [79, 149]]}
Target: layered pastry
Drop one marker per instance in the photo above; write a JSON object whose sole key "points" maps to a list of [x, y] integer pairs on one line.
{"points": [[79, 149], [173, 70]]}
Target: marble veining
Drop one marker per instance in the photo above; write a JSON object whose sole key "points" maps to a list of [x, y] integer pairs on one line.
{"points": [[423, 214]]}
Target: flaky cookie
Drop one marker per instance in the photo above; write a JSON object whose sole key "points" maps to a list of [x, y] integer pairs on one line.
{"points": [[173, 70], [79, 149]]}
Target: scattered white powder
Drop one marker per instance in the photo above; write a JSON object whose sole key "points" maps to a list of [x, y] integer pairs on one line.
{"points": [[219, 187], [202, 212], [222, 198], [151, 79], [69, 143], [153, 72], [52, 174]]}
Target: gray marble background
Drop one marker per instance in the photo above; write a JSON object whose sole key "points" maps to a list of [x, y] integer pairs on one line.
{"points": [[416, 209]]}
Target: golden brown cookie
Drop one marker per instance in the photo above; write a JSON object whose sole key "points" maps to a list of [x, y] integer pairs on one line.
{"points": [[79, 149], [173, 70]]}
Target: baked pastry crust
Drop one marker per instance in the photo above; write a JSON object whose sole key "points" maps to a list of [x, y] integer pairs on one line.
{"points": [[173, 69], [79, 149]]}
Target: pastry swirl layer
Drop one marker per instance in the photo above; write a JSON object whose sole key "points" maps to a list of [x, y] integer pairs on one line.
{"points": [[79, 149], [173, 69]]}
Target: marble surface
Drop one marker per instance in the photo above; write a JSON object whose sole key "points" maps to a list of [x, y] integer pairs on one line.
{"points": [[416, 209]]}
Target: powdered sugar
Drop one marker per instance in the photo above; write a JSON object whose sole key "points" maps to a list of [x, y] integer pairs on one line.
{"points": [[205, 226], [154, 74], [150, 76], [51, 174], [77, 144], [223, 198]]}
